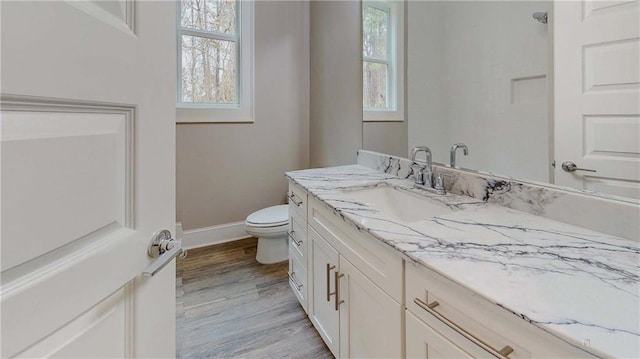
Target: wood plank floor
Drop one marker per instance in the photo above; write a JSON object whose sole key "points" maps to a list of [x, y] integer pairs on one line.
{"points": [[230, 306]]}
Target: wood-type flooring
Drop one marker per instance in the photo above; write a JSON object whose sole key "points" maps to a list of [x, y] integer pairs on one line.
{"points": [[230, 306]]}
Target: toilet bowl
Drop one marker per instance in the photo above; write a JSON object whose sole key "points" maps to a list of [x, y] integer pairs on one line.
{"points": [[270, 226]]}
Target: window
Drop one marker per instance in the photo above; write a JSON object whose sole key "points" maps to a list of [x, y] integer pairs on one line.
{"points": [[215, 66], [383, 60]]}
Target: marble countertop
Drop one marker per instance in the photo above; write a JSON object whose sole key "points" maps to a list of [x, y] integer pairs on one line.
{"points": [[580, 285]]}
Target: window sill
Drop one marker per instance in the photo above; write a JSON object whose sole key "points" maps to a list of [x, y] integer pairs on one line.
{"points": [[213, 115], [382, 116]]}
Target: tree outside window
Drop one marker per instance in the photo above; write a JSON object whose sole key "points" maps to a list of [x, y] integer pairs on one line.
{"points": [[209, 42], [377, 56]]}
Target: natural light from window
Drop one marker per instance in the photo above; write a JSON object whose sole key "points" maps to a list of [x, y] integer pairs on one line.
{"points": [[383, 60], [209, 60], [377, 56]]}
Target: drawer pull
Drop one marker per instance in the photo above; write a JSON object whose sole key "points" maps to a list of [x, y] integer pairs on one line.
{"points": [[337, 298], [329, 293], [293, 279], [506, 350], [292, 198], [293, 238], [429, 308]]}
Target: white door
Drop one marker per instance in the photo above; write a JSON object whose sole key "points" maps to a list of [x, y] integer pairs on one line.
{"points": [[597, 95], [324, 313], [88, 175], [422, 342], [370, 320]]}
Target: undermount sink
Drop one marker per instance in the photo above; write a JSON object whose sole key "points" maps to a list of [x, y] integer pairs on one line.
{"points": [[398, 204]]}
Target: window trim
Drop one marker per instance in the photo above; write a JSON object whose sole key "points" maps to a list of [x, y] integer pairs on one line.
{"points": [[241, 112], [396, 74]]}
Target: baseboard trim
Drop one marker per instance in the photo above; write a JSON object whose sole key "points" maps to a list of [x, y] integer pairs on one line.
{"points": [[223, 233]]}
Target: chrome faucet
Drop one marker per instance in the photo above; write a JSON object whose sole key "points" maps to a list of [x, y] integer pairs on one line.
{"points": [[454, 148], [424, 174]]}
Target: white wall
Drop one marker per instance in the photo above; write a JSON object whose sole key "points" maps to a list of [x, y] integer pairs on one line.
{"points": [[477, 74], [226, 171], [385, 137], [427, 125], [336, 82]]}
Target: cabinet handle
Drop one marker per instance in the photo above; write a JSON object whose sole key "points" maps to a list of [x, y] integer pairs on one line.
{"points": [[293, 279], [429, 308], [329, 294], [293, 238], [337, 281], [292, 198]]}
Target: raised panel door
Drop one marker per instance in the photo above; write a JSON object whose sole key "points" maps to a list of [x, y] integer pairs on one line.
{"points": [[88, 176], [422, 342], [370, 320], [322, 311]]}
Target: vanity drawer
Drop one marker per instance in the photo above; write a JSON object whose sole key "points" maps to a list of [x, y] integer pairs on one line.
{"points": [[474, 322], [374, 259], [298, 279], [297, 200], [298, 237]]}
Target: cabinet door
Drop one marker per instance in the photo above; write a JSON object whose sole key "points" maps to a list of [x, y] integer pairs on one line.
{"points": [[424, 342], [370, 320], [323, 313]]}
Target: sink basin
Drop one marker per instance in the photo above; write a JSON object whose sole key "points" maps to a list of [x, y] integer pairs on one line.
{"points": [[399, 205]]}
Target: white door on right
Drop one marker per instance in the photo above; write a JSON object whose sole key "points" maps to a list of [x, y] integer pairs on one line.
{"points": [[597, 95]]}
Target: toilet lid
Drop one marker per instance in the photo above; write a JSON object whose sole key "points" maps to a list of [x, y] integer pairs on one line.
{"points": [[270, 216]]}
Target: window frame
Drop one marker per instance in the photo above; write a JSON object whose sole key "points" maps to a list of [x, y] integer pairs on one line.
{"points": [[240, 112], [394, 112]]}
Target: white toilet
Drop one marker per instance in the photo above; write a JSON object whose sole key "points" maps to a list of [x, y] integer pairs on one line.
{"points": [[270, 226]]}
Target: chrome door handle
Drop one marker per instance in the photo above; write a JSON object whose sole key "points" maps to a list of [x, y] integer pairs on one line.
{"points": [[569, 166], [165, 248]]}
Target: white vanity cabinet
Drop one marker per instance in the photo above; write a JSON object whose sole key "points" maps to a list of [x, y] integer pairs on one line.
{"points": [[444, 319], [298, 244], [366, 300], [422, 341], [370, 320], [323, 312], [356, 289]]}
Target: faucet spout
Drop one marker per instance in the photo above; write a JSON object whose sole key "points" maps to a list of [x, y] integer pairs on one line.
{"points": [[454, 148], [424, 174], [425, 149]]}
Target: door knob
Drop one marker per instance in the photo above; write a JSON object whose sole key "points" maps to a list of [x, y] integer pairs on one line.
{"points": [[165, 248], [569, 166]]}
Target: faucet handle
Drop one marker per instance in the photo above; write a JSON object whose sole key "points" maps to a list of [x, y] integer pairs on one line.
{"points": [[439, 180], [418, 173]]}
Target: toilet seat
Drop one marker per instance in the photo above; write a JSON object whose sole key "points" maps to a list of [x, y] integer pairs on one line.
{"points": [[274, 216], [267, 232]]}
